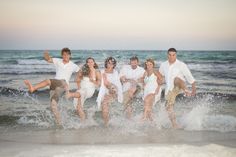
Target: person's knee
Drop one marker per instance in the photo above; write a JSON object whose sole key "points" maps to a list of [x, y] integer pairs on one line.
{"points": [[48, 82], [178, 82]]}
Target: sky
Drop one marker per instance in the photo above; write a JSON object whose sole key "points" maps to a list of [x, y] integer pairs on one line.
{"points": [[118, 24]]}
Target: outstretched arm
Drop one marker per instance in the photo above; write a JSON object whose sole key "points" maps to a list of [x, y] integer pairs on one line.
{"points": [[47, 57]]}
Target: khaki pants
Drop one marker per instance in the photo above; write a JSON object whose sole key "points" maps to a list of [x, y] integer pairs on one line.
{"points": [[171, 96], [57, 89]]}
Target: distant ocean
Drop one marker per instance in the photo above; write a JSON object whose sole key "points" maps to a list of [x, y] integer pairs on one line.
{"points": [[27, 125]]}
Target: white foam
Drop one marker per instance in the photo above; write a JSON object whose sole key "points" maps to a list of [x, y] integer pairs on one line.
{"points": [[117, 150], [200, 118], [31, 62]]}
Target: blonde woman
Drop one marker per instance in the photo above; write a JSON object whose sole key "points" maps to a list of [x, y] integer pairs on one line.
{"points": [[152, 91]]}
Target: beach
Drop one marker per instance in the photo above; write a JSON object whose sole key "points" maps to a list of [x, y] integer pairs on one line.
{"points": [[208, 121]]}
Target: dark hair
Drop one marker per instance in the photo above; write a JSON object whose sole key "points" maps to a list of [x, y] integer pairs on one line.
{"points": [[149, 60], [95, 64], [66, 50], [113, 60], [134, 58], [172, 50]]}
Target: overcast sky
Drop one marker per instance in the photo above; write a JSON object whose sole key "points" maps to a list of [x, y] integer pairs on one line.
{"points": [[118, 24]]}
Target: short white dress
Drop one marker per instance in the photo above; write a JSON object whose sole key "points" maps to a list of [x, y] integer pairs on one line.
{"points": [[87, 89], [150, 86]]}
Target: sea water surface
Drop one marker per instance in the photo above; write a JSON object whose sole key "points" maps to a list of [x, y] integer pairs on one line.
{"points": [[27, 125]]}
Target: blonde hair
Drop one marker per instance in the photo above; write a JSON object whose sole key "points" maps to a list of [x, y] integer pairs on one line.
{"points": [[149, 60]]}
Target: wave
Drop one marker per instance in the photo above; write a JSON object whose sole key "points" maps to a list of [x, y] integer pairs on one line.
{"points": [[206, 111], [31, 62], [27, 69], [12, 91]]}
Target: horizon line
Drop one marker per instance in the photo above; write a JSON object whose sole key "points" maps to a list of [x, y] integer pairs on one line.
{"points": [[118, 49]]}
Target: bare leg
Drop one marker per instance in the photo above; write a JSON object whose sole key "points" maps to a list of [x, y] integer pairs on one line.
{"points": [[171, 114], [128, 106], [54, 99], [56, 112], [128, 97], [171, 96], [148, 102], [80, 110], [180, 83], [105, 108], [37, 86], [72, 95], [79, 107]]}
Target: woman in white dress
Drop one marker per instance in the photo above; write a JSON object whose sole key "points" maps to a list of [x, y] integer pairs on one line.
{"points": [[88, 79], [110, 89], [152, 91]]}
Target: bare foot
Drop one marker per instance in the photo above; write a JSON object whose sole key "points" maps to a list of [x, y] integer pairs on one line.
{"points": [[187, 93], [176, 126], [143, 119], [29, 85], [68, 95]]}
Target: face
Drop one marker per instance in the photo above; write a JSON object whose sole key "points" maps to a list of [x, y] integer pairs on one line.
{"points": [[171, 57], [110, 65], [90, 63], [149, 65], [134, 64], [65, 57]]}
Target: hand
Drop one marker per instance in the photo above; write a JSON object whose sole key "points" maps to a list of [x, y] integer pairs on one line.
{"points": [[187, 93], [47, 56]]}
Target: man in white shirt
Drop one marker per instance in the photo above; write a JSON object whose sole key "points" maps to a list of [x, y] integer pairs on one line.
{"points": [[58, 85], [175, 73], [130, 76]]}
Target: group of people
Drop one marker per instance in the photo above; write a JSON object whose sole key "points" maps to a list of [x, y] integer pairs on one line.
{"points": [[122, 86]]}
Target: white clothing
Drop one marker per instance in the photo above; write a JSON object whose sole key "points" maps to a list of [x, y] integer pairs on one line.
{"points": [[150, 86], [114, 79], [130, 73], [177, 69], [87, 89], [64, 71]]}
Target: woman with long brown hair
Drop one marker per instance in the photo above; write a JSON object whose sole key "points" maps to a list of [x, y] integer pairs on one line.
{"points": [[88, 79]]}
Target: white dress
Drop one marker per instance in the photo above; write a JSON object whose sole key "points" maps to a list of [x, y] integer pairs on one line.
{"points": [[114, 79], [87, 89], [150, 86]]}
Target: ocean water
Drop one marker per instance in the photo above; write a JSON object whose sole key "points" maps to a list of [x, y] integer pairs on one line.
{"points": [[27, 125]]}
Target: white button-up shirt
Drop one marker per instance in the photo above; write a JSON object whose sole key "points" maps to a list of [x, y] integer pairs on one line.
{"points": [[171, 71], [64, 71], [130, 73]]}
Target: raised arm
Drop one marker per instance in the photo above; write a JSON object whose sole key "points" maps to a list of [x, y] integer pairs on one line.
{"points": [[47, 57]]}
